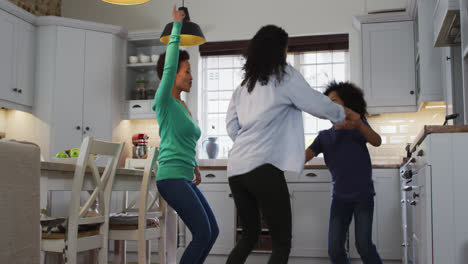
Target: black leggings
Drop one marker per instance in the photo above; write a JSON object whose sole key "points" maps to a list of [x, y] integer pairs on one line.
{"points": [[262, 189]]}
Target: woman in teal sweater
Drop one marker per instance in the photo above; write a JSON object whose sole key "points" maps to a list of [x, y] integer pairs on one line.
{"points": [[179, 134]]}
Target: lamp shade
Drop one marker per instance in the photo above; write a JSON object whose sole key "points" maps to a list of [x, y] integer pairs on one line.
{"points": [[126, 2], [190, 34]]}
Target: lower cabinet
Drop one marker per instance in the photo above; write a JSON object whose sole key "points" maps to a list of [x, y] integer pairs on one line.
{"points": [[386, 228], [310, 204]]}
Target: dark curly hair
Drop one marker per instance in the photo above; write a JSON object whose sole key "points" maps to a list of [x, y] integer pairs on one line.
{"points": [[183, 56], [351, 95], [265, 56]]}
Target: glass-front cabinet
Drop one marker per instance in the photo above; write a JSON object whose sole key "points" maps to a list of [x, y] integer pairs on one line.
{"points": [[142, 53]]}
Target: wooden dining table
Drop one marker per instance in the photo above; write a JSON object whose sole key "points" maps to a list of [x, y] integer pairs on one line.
{"points": [[58, 176]]}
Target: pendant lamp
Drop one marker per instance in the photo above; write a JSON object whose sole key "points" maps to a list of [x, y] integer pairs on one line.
{"points": [[190, 34], [126, 2]]}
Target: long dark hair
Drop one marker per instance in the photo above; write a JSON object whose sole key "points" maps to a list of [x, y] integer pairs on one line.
{"points": [[351, 95], [265, 56], [183, 56]]}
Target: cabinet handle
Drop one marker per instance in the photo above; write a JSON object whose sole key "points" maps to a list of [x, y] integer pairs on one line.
{"points": [[136, 106], [78, 127], [411, 92], [210, 175], [15, 89], [87, 128], [230, 195], [311, 174], [448, 58], [20, 91]]}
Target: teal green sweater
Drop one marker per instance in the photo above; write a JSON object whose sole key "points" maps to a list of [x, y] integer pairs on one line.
{"points": [[178, 131]]}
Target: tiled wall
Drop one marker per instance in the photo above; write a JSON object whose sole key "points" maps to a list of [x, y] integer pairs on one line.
{"points": [[40, 7], [399, 129]]}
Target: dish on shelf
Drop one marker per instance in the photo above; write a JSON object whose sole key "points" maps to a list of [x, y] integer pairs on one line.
{"points": [[132, 59], [143, 58]]}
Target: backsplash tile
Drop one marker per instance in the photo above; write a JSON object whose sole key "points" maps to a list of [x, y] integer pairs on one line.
{"points": [[399, 129]]}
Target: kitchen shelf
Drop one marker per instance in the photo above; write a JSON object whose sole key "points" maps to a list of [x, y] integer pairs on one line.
{"points": [[142, 66]]}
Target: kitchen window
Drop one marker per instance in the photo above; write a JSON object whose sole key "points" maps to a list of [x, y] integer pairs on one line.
{"points": [[221, 73]]}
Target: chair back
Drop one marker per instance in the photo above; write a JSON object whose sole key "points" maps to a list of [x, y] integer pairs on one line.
{"points": [[99, 181]]}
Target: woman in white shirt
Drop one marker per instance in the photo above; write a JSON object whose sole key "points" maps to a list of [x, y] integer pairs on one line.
{"points": [[264, 120]]}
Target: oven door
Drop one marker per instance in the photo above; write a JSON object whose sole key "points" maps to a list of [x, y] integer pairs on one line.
{"points": [[419, 213]]}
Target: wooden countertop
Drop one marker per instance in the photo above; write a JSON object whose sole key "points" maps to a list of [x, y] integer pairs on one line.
{"points": [[58, 166], [307, 167], [437, 129]]}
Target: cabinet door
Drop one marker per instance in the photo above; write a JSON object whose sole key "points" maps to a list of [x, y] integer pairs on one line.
{"points": [[26, 62], [97, 85], [7, 56], [68, 93], [386, 228], [388, 64], [222, 204], [310, 204]]}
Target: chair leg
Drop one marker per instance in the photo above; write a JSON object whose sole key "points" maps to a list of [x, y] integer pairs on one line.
{"points": [[120, 252], [171, 236], [148, 251]]}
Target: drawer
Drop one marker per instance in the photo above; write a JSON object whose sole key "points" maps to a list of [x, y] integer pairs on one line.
{"points": [[309, 175], [138, 107], [214, 176]]}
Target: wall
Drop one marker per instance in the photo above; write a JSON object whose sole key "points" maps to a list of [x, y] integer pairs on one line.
{"points": [[379, 5], [233, 20], [40, 7]]}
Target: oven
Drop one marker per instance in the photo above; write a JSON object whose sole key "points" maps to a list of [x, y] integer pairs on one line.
{"points": [[415, 180]]}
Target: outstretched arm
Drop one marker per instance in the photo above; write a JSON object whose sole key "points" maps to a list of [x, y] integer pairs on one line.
{"points": [[371, 136], [309, 154], [163, 93]]}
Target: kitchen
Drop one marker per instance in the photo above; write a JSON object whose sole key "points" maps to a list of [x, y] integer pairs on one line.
{"points": [[432, 84]]}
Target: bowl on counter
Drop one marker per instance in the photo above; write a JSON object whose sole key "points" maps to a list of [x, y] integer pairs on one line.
{"points": [[154, 58]]}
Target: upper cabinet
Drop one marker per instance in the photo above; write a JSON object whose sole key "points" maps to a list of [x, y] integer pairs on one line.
{"points": [[17, 62], [446, 21], [142, 81], [388, 63], [428, 64], [78, 82]]}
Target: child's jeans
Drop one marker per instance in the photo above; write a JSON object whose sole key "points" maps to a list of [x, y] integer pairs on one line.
{"points": [[341, 213]]}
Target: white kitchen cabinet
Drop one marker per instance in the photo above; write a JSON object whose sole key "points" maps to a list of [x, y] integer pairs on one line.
{"points": [[216, 190], [386, 228], [310, 205], [388, 66], [17, 62], [78, 87], [429, 66], [464, 33]]}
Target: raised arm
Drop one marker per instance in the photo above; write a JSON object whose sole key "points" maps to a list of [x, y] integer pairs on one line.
{"points": [[163, 93]]}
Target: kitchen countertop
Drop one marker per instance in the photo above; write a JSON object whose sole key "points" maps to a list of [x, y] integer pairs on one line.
{"points": [[59, 166], [437, 129], [308, 167]]}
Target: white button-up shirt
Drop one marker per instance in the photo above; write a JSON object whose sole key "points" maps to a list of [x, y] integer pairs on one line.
{"points": [[266, 125]]}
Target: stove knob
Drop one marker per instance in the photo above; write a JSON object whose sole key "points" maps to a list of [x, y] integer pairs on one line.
{"points": [[415, 195], [407, 188], [404, 244], [420, 153], [402, 201], [413, 203]]}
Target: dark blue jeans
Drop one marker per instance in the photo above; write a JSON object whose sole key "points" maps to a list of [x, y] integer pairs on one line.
{"points": [[341, 213], [194, 210]]}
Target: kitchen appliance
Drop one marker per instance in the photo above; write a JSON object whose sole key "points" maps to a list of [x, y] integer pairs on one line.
{"points": [[140, 145]]}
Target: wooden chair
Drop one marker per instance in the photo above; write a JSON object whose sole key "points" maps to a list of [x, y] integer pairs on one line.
{"points": [[148, 205], [79, 234]]}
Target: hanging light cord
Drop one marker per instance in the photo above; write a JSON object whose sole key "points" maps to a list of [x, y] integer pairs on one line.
{"points": [[183, 4]]}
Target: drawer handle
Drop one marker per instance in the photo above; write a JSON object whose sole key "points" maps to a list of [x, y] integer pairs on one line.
{"points": [[311, 174], [210, 175], [230, 195], [136, 106]]}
